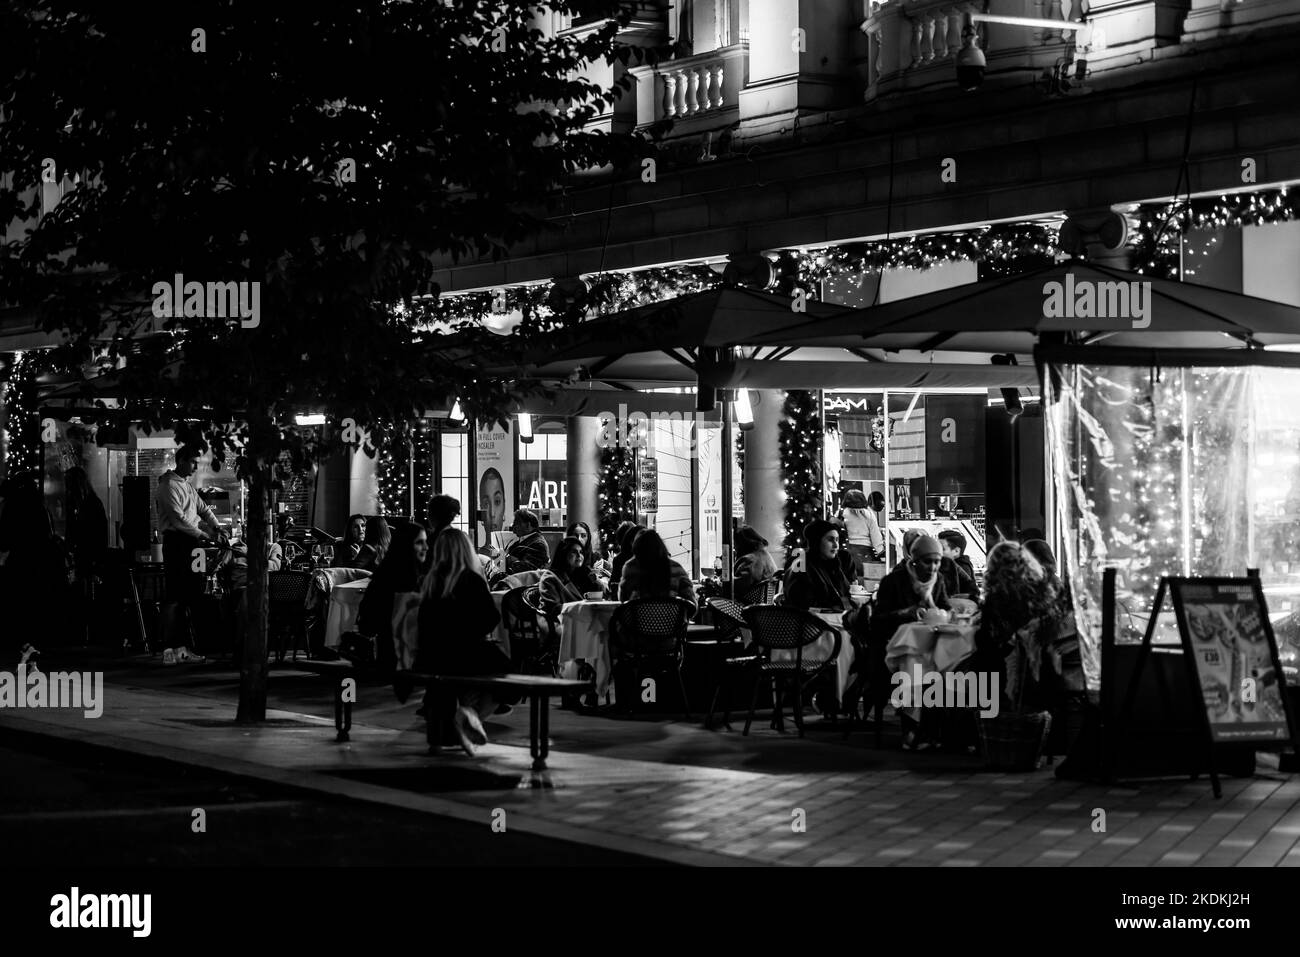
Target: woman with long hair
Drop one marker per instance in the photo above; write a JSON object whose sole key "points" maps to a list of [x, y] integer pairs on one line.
{"points": [[623, 538], [866, 541], [754, 565], [1021, 603], [567, 579], [652, 574], [591, 559], [402, 570], [347, 550], [378, 538], [457, 615]]}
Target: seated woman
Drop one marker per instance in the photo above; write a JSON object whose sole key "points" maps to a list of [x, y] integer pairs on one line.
{"points": [[591, 559], [753, 563], [457, 615], [822, 583], [906, 594], [402, 570], [623, 539], [567, 579], [375, 547], [652, 574], [347, 550]]}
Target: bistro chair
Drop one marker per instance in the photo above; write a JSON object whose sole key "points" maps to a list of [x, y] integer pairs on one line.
{"points": [[651, 632], [522, 621], [764, 593], [871, 686], [287, 594], [732, 654], [778, 628]]}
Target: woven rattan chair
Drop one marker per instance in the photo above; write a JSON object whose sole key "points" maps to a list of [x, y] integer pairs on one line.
{"points": [[287, 602], [529, 644], [764, 593], [729, 617], [651, 632], [787, 629]]}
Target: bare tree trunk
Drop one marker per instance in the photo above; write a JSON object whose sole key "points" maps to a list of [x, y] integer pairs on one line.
{"points": [[252, 668]]}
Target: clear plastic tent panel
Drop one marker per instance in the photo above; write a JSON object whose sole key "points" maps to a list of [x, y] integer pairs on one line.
{"points": [[1179, 472]]}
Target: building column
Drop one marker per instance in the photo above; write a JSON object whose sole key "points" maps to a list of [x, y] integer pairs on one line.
{"points": [[363, 487], [584, 471], [763, 489]]}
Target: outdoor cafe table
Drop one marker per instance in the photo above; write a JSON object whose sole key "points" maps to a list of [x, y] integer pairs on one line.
{"points": [[821, 649], [584, 634], [934, 647]]}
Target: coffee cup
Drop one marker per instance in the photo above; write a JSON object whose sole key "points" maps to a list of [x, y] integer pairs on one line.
{"points": [[594, 595]]}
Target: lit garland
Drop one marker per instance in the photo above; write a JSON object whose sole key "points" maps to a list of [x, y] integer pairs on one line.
{"points": [[393, 468], [1001, 249], [616, 491], [801, 463], [24, 451]]}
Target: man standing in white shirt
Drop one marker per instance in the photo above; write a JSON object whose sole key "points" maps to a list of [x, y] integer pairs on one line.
{"points": [[180, 512]]}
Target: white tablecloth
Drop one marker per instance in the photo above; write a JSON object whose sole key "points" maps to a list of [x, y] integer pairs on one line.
{"points": [[938, 649], [584, 634], [820, 650], [345, 603]]}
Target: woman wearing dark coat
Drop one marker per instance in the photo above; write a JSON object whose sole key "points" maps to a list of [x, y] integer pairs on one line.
{"points": [[567, 579], [623, 538], [457, 616], [402, 570]]}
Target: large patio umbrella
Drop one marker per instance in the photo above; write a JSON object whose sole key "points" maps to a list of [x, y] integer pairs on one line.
{"points": [[1077, 301], [715, 318]]}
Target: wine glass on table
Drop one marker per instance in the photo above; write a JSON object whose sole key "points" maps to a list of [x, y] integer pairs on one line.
{"points": [[327, 554]]}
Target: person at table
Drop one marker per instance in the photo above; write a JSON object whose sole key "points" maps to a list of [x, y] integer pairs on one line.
{"points": [[442, 511], [567, 579], [591, 559], [823, 583], [754, 565], [1062, 672], [402, 570], [650, 573], [528, 552], [623, 539], [456, 618], [866, 541], [186, 522], [346, 551], [912, 588], [1021, 612], [377, 541], [956, 569]]}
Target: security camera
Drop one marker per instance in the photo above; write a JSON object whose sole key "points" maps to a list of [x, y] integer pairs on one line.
{"points": [[970, 61]]}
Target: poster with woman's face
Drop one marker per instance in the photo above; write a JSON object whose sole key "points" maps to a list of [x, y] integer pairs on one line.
{"points": [[496, 479], [492, 499]]}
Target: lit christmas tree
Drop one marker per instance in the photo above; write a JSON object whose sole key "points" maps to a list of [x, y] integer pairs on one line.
{"points": [[801, 463], [616, 492]]}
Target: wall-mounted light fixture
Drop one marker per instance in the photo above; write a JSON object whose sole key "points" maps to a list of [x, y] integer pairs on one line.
{"points": [[314, 418], [744, 411], [456, 415], [525, 427]]}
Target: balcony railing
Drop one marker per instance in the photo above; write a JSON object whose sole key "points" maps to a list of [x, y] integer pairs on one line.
{"points": [[705, 86]]}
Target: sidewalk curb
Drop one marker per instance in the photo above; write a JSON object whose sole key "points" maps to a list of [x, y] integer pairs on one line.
{"points": [[374, 794]]}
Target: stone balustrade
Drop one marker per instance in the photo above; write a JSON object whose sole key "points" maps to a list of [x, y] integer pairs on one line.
{"points": [[706, 86]]}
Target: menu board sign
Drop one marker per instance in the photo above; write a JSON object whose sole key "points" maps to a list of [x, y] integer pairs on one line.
{"points": [[1226, 629], [649, 486]]}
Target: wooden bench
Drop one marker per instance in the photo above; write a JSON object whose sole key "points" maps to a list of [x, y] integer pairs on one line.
{"points": [[539, 689]]}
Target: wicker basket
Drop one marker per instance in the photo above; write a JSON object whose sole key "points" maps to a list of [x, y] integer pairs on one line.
{"points": [[1014, 742]]}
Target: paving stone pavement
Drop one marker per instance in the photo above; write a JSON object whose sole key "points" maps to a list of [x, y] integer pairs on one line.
{"points": [[888, 816]]}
